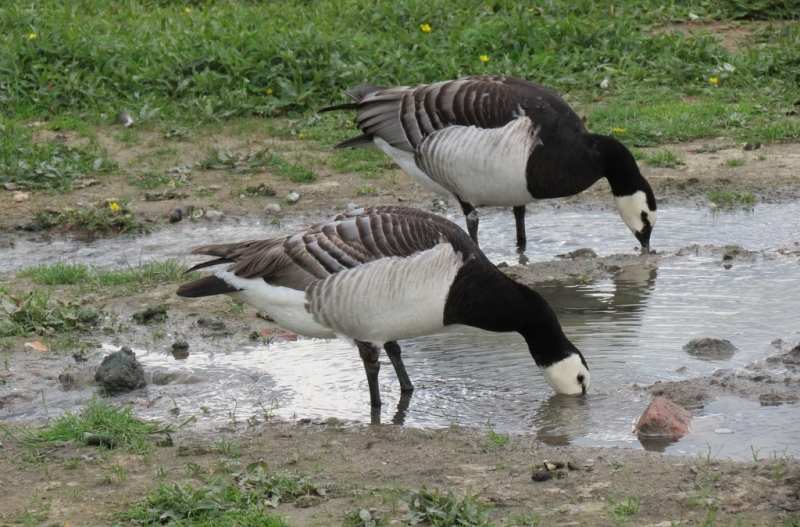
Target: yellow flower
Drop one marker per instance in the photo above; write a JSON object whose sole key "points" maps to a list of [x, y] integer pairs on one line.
{"points": [[301, 135], [619, 130], [114, 207], [426, 28], [269, 91], [714, 81], [484, 58], [32, 36], [187, 10]]}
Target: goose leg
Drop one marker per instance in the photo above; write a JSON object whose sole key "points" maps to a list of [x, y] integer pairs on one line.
{"points": [[369, 355], [472, 220], [519, 218], [393, 351]]}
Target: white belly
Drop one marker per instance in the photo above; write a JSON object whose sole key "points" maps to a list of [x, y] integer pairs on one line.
{"points": [[481, 166], [388, 299]]}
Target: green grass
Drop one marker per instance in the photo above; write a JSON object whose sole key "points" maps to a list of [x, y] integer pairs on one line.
{"points": [[57, 273], [66, 273], [237, 163], [367, 162], [50, 165], [128, 137], [735, 161], [664, 158], [74, 65], [366, 190], [495, 440], [238, 499], [623, 510], [215, 62], [149, 180], [729, 198], [118, 426]]}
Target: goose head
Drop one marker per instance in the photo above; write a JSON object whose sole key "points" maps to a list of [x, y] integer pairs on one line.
{"points": [[638, 211], [568, 376]]}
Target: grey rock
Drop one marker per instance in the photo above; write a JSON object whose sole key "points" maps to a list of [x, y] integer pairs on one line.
{"points": [[272, 208], [710, 348], [120, 372]]}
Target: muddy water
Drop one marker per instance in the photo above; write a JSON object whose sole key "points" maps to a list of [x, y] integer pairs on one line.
{"points": [[631, 330]]}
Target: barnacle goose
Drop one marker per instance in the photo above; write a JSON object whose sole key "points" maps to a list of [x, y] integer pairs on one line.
{"points": [[379, 275], [476, 139]]}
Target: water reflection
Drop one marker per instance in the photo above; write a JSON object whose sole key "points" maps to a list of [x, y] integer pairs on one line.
{"points": [[626, 293], [561, 418]]}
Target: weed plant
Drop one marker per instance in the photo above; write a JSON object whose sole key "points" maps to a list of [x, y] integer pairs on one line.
{"points": [[37, 312], [440, 510], [238, 499], [92, 221]]}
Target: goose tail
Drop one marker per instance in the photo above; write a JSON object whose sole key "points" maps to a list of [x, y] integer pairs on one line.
{"points": [[206, 286], [357, 94]]}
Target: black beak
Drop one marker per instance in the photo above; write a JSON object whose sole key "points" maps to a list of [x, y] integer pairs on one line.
{"points": [[644, 238]]}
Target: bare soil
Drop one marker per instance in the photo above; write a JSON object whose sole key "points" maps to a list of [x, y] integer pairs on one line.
{"points": [[368, 466]]}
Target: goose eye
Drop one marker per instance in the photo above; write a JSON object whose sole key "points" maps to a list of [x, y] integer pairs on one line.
{"points": [[580, 378]]}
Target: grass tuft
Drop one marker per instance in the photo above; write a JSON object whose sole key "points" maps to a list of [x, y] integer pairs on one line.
{"points": [[117, 427], [664, 158], [59, 273], [730, 198]]}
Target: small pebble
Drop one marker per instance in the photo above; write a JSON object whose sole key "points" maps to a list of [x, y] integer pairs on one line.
{"points": [[175, 215], [214, 214], [365, 515], [542, 476], [272, 208], [293, 197], [553, 465], [124, 118]]}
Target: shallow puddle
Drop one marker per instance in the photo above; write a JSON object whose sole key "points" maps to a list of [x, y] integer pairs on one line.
{"points": [[631, 330]]}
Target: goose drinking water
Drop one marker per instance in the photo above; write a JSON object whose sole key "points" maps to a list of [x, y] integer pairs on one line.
{"points": [[379, 275], [475, 139]]}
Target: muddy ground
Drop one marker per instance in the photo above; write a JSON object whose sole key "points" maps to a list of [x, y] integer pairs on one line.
{"points": [[369, 466]]}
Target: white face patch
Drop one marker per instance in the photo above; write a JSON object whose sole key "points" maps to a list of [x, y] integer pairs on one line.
{"points": [[630, 209], [563, 376]]}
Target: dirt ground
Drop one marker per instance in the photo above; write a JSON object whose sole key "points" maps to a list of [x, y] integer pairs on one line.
{"points": [[366, 467]]}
